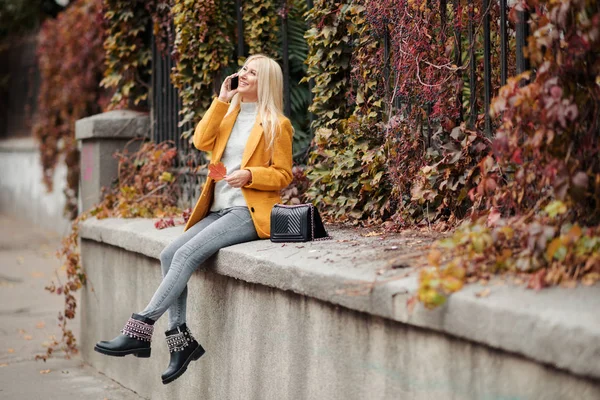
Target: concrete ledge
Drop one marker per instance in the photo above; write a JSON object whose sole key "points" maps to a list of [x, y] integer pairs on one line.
{"points": [[18, 145], [559, 327], [116, 124]]}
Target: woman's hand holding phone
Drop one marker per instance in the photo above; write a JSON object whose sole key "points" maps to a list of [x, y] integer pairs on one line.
{"points": [[228, 90]]}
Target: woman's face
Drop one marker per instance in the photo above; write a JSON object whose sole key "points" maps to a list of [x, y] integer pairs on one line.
{"points": [[248, 81]]}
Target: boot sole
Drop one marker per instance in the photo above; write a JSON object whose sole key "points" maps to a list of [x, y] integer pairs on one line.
{"points": [[199, 352], [140, 353]]}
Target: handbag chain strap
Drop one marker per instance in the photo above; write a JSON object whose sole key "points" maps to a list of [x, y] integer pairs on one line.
{"points": [[312, 226]]}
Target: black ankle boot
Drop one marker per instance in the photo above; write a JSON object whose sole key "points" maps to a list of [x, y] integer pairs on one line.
{"points": [[184, 349], [135, 339]]}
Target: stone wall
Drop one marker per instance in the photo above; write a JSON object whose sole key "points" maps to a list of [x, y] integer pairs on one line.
{"points": [[271, 331]]}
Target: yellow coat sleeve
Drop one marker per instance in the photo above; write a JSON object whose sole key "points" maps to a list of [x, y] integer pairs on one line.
{"points": [[207, 129], [278, 175]]}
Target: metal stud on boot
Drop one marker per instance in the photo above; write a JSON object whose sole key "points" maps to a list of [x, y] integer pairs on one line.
{"points": [[184, 349], [135, 339]]}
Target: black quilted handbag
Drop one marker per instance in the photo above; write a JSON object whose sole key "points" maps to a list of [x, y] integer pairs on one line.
{"points": [[298, 223]]}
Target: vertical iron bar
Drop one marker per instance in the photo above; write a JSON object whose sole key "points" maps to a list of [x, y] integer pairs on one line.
{"points": [[487, 68], [386, 70], [169, 113], [522, 34], [503, 44], [458, 57], [311, 82], [240, 29], [286, 62], [472, 78], [443, 8], [174, 98], [428, 108], [161, 98], [153, 92]]}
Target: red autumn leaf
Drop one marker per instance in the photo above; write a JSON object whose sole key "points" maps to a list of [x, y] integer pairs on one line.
{"points": [[217, 171], [516, 157], [537, 280]]}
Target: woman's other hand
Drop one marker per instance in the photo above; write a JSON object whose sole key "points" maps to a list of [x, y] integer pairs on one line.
{"points": [[239, 178], [226, 93]]}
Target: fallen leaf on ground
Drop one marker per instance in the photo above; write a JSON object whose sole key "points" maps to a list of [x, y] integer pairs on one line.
{"points": [[410, 304], [217, 171], [37, 274], [3, 365], [40, 325], [590, 278], [570, 284], [27, 337], [22, 331], [484, 293], [11, 350], [371, 234], [20, 260], [45, 371]]}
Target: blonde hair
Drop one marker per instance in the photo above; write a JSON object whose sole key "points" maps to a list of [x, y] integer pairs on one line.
{"points": [[270, 95]]}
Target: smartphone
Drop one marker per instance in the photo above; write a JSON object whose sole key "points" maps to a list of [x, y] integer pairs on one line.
{"points": [[234, 82]]}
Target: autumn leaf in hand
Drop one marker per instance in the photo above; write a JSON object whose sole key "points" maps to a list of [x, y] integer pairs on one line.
{"points": [[217, 171]]}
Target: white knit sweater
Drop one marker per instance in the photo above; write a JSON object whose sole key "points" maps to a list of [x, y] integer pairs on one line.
{"points": [[225, 195]]}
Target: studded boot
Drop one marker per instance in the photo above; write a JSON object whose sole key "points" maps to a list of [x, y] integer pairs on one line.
{"points": [[184, 349], [134, 339]]}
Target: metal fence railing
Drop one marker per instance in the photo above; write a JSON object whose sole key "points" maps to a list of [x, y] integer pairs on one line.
{"points": [[521, 32], [166, 103]]}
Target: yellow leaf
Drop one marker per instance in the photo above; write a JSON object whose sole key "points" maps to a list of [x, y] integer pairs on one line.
{"points": [[434, 257], [484, 293], [552, 248], [452, 284], [574, 233], [555, 208], [590, 279], [45, 371]]}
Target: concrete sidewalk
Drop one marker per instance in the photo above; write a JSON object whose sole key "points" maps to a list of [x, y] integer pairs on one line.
{"points": [[28, 321]]}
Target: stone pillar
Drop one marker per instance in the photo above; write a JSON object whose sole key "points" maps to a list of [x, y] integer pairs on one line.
{"points": [[100, 136]]}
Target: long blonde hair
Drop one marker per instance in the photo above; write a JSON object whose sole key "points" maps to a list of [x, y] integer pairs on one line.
{"points": [[270, 95]]}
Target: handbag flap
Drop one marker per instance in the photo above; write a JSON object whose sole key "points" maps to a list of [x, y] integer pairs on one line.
{"points": [[290, 223]]}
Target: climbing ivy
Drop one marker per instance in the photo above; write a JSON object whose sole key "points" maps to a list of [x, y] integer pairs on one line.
{"points": [[128, 54], [261, 27], [204, 51]]}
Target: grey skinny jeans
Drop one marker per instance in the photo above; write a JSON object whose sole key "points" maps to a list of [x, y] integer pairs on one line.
{"points": [[188, 251]]}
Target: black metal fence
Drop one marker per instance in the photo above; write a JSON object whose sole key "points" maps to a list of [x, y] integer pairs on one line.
{"points": [[166, 102], [521, 33], [166, 105]]}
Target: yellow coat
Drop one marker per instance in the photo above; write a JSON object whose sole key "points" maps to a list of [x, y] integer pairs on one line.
{"points": [[269, 176]]}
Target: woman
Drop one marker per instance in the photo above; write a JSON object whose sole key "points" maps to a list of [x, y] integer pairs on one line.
{"points": [[253, 139]]}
